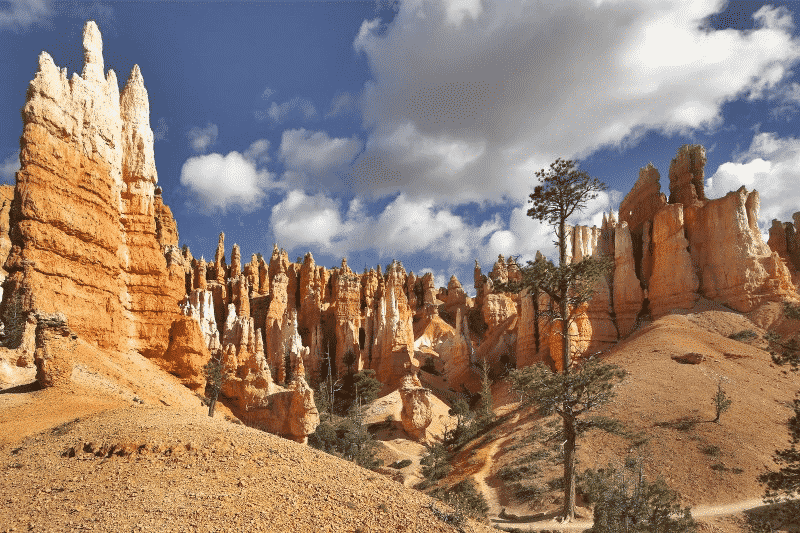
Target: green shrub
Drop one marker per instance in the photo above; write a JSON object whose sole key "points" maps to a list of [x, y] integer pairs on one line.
{"points": [[712, 450], [400, 464], [744, 335], [625, 501], [435, 464], [466, 500]]}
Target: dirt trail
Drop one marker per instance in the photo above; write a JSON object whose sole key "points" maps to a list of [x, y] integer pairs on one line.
{"points": [[480, 476], [698, 512]]}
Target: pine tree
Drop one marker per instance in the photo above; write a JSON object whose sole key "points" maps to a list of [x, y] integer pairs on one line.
{"points": [[564, 191]]}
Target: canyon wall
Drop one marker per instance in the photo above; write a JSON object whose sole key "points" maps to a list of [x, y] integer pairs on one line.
{"points": [[86, 233], [84, 218]]}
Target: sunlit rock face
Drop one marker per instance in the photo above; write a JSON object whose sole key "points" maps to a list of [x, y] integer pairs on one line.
{"points": [[90, 237], [85, 232]]}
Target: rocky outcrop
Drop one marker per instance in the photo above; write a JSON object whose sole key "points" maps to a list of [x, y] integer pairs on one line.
{"points": [[83, 222], [674, 283], [53, 339], [784, 239], [734, 264], [628, 294], [186, 353], [686, 176], [417, 413]]}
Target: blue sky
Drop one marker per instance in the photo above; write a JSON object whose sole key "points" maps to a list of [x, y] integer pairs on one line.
{"points": [[413, 129]]}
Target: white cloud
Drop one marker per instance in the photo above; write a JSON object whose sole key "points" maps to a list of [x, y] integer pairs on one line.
{"points": [[303, 220], [218, 182], [402, 228], [477, 93], [258, 152], [342, 103], [267, 93], [9, 167], [278, 113], [160, 133], [771, 166], [309, 155], [201, 138], [21, 14]]}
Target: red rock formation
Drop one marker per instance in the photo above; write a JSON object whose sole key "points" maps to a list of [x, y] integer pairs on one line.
{"points": [[628, 294], [393, 345], [643, 201], [674, 283], [735, 265], [186, 353], [416, 414], [785, 240], [686, 176], [85, 216]]}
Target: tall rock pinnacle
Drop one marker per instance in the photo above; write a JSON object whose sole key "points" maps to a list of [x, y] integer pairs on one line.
{"points": [[93, 66]]}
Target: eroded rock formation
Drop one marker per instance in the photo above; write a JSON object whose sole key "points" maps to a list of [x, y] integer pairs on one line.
{"points": [[85, 222], [86, 233]]}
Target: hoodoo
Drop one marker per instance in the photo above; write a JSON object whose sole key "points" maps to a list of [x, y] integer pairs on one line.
{"points": [[88, 235]]}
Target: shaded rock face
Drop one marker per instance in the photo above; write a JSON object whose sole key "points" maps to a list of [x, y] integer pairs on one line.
{"points": [[673, 283], [784, 239], [186, 353], [84, 217]]}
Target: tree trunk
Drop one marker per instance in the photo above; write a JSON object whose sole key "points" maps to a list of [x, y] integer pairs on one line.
{"points": [[564, 293], [212, 405], [569, 467], [564, 310]]}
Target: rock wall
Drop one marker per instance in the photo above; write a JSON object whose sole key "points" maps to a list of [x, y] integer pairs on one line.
{"points": [[86, 233], [84, 220]]}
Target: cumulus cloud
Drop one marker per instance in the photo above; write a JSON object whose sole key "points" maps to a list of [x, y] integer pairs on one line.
{"points": [[403, 227], [200, 139], [298, 107], [476, 93], [267, 93], [771, 165], [312, 156], [19, 15], [342, 103], [219, 182], [9, 167], [258, 152]]}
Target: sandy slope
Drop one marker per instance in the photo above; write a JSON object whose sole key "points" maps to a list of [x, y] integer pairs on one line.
{"points": [[125, 447], [714, 466]]}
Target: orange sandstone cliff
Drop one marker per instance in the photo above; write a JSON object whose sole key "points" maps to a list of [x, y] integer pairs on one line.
{"points": [[86, 234]]}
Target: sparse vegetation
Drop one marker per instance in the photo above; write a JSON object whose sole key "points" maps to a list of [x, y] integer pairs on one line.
{"points": [[785, 351], [484, 414], [624, 501], [466, 500], [721, 402], [435, 464], [744, 335], [783, 484], [711, 450], [216, 375], [401, 464], [571, 396]]}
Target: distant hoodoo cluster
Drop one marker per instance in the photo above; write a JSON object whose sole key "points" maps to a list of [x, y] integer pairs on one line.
{"points": [[85, 233]]}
